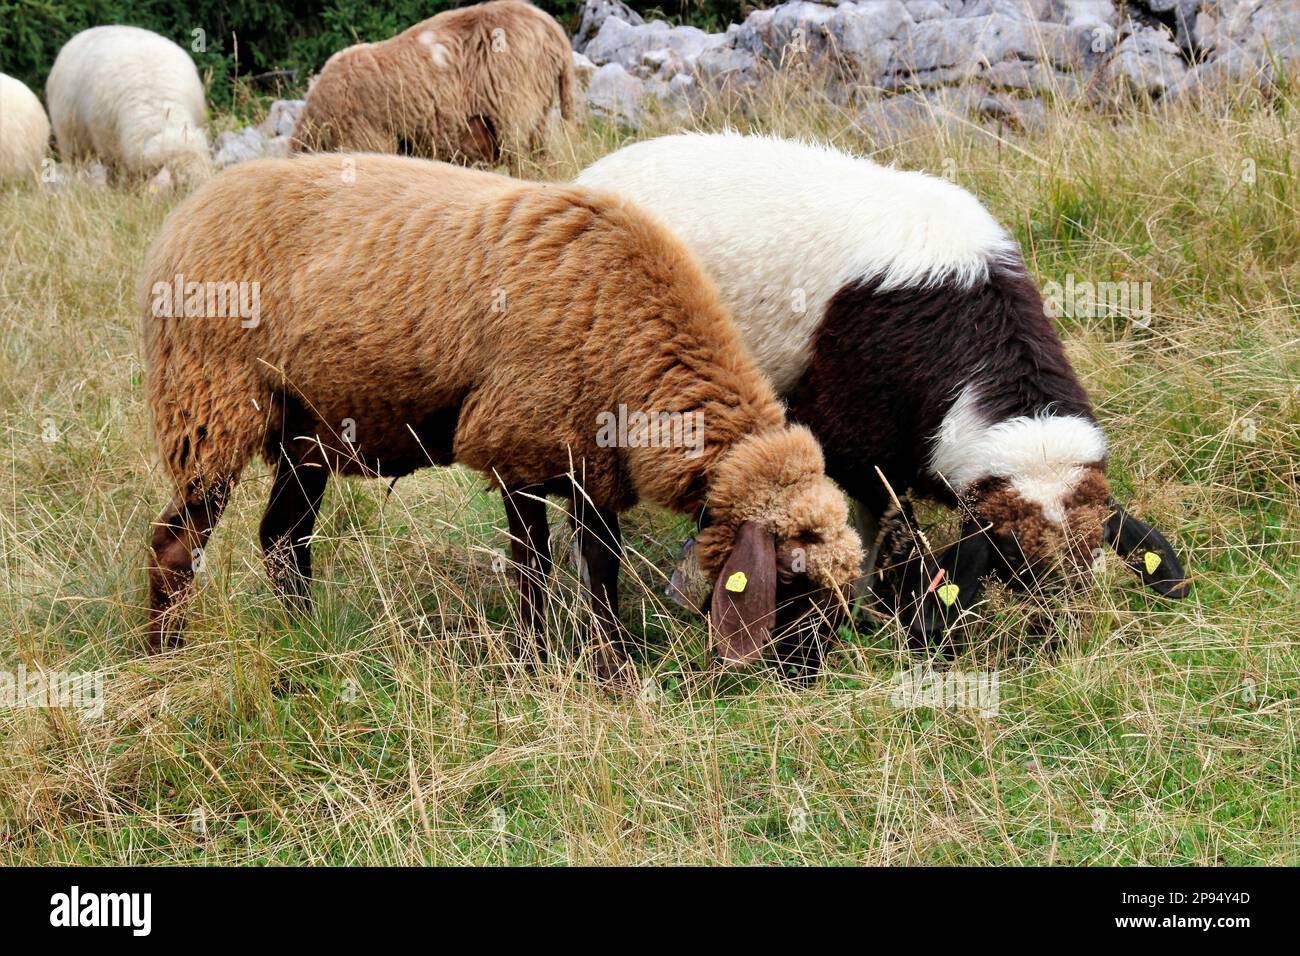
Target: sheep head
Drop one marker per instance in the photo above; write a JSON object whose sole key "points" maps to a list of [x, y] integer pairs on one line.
{"points": [[778, 547], [1025, 530], [1034, 534]]}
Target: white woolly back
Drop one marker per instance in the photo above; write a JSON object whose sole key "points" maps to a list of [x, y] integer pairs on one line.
{"points": [[782, 225], [1042, 456], [24, 130], [128, 97]]}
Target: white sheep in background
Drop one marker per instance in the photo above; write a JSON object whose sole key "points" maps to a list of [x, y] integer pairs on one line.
{"points": [[131, 99], [24, 130]]}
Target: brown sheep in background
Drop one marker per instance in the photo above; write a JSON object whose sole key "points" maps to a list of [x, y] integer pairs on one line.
{"points": [[412, 313], [471, 85]]}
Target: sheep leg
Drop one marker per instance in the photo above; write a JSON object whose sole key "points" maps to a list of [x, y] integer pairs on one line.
{"points": [[287, 525], [176, 552], [802, 650], [867, 525], [531, 553], [478, 143], [599, 550]]}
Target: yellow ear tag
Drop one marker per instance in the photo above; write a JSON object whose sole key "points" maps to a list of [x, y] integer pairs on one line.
{"points": [[1152, 561], [948, 593], [737, 582]]}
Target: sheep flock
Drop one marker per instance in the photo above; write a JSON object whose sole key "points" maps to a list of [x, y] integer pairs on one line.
{"points": [[382, 299]]}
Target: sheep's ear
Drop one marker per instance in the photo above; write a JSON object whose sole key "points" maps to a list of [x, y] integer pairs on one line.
{"points": [[744, 598], [1146, 551], [936, 591]]}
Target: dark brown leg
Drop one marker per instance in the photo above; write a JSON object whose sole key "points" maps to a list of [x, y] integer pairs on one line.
{"points": [[287, 526], [478, 142], [801, 659], [599, 551], [176, 552], [808, 627], [531, 553], [867, 525]]}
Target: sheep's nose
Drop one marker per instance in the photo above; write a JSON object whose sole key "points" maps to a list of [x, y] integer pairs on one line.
{"points": [[1083, 552]]}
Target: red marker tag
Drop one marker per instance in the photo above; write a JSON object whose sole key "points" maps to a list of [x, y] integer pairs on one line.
{"points": [[938, 579]]}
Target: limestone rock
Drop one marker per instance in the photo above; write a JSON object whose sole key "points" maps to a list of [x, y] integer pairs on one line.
{"points": [[1148, 61], [616, 94], [594, 15]]}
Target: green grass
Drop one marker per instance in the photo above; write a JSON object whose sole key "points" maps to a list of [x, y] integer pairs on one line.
{"points": [[390, 727]]}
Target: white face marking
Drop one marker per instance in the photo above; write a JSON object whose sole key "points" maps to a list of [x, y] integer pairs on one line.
{"points": [[781, 226], [1041, 456], [1049, 489]]}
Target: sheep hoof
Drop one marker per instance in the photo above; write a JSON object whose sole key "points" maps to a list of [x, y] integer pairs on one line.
{"points": [[611, 666], [161, 640], [528, 653]]}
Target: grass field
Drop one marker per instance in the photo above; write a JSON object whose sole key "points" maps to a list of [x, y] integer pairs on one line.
{"points": [[389, 728]]}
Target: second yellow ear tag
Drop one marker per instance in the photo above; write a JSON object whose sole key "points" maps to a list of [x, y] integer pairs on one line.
{"points": [[948, 593], [1152, 561], [737, 582]]}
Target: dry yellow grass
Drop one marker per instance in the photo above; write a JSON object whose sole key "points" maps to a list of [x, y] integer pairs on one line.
{"points": [[390, 728]]}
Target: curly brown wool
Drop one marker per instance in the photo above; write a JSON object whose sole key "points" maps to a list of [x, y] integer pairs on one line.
{"points": [[1086, 512], [1042, 540], [467, 85], [792, 499]]}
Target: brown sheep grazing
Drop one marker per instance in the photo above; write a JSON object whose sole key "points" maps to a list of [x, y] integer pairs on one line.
{"points": [[367, 314], [471, 85]]}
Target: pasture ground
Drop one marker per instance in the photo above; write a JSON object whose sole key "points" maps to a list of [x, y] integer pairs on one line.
{"points": [[389, 728]]}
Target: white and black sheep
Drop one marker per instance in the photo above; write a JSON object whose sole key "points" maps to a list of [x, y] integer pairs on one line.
{"points": [[410, 313], [896, 318], [24, 130], [132, 100]]}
